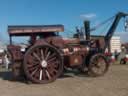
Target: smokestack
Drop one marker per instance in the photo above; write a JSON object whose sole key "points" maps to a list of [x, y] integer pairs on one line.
{"points": [[87, 29]]}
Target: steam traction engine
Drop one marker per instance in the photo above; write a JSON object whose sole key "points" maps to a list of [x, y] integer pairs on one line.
{"points": [[47, 53]]}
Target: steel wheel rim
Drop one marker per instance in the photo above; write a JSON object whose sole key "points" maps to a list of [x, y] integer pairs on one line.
{"points": [[43, 65], [99, 65]]}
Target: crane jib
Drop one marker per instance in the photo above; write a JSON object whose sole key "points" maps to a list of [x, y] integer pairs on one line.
{"points": [[113, 28]]}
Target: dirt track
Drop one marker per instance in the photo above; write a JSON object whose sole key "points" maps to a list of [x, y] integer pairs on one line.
{"points": [[114, 83]]}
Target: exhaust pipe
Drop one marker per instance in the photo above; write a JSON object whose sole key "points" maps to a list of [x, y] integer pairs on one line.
{"points": [[87, 29]]}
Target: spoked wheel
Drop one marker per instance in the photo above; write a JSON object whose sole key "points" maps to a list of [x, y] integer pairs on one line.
{"points": [[42, 64], [98, 65]]}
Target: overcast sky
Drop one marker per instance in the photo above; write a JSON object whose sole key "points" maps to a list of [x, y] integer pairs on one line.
{"points": [[70, 13]]}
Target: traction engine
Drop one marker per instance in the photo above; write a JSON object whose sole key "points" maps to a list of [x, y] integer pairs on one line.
{"points": [[47, 54]]}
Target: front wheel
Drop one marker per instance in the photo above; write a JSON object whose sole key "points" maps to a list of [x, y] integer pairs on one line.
{"points": [[98, 65]]}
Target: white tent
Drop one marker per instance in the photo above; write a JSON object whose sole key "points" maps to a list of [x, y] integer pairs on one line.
{"points": [[2, 46]]}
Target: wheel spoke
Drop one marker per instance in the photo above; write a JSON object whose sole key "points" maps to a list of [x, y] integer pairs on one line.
{"points": [[53, 64], [102, 66], [43, 74], [32, 61], [48, 75], [34, 71], [47, 55], [51, 56], [37, 57], [36, 75], [42, 54], [37, 51], [50, 71], [32, 65], [46, 51], [40, 74], [33, 68], [51, 60]]}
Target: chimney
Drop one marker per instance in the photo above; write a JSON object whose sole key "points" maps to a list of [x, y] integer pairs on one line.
{"points": [[87, 29]]}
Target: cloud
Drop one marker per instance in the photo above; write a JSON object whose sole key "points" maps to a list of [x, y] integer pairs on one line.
{"points": [[121, 33], [88, 16], [123, 36]]}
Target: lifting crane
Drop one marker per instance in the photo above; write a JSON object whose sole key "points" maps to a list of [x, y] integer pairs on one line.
{"points": [[113, 28], [110, 32]]}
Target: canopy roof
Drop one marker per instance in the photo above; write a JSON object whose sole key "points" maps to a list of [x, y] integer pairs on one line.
{"points": [[34, 29]]}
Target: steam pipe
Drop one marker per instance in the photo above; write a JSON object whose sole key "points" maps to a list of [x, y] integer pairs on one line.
{"points": [[87, 29]]}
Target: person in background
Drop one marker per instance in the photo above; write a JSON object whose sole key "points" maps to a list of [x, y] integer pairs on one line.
{"points": [[116, 55], [6, 60]]}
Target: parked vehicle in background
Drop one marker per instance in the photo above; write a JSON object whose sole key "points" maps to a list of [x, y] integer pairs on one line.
{"points": [[124, 60], [123, 55]]}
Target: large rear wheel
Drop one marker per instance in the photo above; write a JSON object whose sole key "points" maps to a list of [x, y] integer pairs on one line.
{"points": [[42, 64]]}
